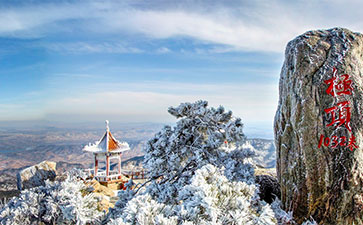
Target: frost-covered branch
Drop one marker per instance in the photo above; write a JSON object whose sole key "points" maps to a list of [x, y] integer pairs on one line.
{"points": [[56, 202]]}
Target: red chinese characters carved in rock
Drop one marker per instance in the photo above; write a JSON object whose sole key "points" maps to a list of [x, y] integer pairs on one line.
{"points": [[338, 86], [340, 115], [351, 143]]}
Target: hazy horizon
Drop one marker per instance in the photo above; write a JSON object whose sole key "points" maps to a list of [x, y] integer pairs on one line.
{"points": [[251, 130]]}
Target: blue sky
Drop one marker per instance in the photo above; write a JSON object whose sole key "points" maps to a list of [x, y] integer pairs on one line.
{"points": [[128, 61]]}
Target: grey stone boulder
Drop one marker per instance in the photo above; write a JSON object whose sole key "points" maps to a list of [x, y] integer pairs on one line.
{"points": [[319, 127], [36, 175]]}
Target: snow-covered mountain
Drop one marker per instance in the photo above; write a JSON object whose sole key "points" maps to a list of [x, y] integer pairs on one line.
{"points": [[265, 152]]}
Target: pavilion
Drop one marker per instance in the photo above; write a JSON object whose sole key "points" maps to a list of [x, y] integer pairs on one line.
{"points": [[107, 149]]}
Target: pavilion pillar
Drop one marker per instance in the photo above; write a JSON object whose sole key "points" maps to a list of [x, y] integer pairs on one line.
{"points": [[107, 165], [96, 165], [119, 164]]}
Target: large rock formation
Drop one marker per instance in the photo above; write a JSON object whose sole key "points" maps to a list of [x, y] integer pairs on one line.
{"points": [[36, 175], [319, 152]]}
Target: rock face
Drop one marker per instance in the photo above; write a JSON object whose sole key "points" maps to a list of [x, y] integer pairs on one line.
{"points": [[36, 175], [319, 127]]}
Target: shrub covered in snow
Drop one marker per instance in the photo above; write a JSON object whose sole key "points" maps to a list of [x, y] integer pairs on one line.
{"points": [[57, 202], [210, 198], [2, 202], [310, 222], [199, 172], [281, 216]]}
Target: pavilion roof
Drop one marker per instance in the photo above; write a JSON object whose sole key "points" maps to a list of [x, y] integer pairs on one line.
{"points": [[107, 144]]}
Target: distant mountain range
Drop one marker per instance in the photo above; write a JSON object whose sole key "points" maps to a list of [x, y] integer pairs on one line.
{"points": [[22, 148], [265, 152], [25, 147]]}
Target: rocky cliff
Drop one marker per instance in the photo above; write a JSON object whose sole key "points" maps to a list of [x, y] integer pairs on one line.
{"points": [[319, 127]]}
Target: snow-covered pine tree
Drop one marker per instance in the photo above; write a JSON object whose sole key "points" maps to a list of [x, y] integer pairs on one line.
{"points": [[201, 136], [200, 173]]}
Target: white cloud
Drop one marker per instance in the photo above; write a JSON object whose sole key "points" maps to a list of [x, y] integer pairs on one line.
{"points": [[163, 50], [84, 47], [261, 25], [250, 102], [37, 19]]}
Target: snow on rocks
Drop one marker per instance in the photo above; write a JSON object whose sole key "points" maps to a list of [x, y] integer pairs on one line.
{"points": [[36, 175]]}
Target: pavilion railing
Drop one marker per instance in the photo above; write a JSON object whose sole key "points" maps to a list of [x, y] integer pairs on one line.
{"points": [[114, 175], [134, 174]]}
